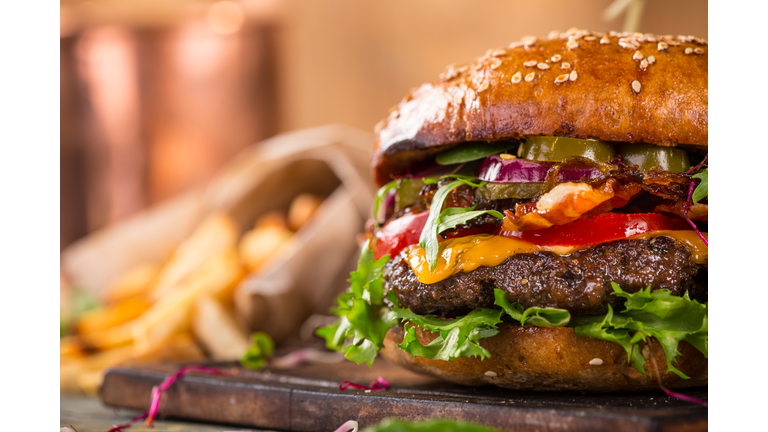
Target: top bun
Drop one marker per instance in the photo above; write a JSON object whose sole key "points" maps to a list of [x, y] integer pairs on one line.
{"points": [[627, 87]]}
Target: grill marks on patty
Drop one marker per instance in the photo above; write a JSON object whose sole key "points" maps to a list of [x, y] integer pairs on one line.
{"points": [[579, 282]]}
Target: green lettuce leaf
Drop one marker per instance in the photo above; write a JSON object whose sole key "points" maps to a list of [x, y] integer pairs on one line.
{"points": [[364, 319], [458, 337], [658, 314], [436, 425], [536, 316], [701, 191]]}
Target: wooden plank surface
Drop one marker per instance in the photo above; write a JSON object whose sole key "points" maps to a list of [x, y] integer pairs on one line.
{"points": [[308, 398]]}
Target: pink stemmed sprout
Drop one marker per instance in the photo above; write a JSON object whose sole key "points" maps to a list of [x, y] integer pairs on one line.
{"points": [[348, 426], [691, 187], [379, 384], [158, 390]]}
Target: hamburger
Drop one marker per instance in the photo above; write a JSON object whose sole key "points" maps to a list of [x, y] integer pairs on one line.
{"points": [[542, 220]]}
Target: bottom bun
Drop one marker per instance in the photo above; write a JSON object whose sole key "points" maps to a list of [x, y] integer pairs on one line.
{"points": [[551, 359]]}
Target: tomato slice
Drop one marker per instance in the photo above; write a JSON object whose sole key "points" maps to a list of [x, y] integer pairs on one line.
{"points": [[598, 229], [402, 232], [398, 234]]}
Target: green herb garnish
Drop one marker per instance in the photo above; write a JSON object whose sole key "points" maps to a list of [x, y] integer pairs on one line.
{"points": [[380, 194], [470, 152], [261, 348], [701, 190], [443, 220]]}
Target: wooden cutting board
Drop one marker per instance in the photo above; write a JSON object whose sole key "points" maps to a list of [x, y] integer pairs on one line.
{"points": [[307, 398]]}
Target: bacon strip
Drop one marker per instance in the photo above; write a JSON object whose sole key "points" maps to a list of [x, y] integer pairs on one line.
{"points": [[695, 212], [567, 202]]}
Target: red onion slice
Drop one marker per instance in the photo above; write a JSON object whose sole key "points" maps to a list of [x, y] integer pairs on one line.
{"points": [[498, 170]]}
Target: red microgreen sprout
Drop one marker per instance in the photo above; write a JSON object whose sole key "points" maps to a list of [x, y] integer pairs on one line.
{"points": [[691, 187], [698, 167], [670, 393], [118, 428], [379, 384], [348, 426], [158, 390]]}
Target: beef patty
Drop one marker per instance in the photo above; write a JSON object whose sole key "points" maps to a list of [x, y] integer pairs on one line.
{"points": [[579, 282]]}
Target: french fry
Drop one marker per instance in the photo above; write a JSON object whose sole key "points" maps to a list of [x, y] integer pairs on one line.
{"points": [[112, 337], [301, 210], [271, 219], [87, 374], [259, 244], [133, 283], [171, 313], [214, 326], [215, 235], [110, 316]]}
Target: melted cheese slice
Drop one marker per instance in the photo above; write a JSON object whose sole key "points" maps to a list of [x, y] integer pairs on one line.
{"points": [[468, 253]]}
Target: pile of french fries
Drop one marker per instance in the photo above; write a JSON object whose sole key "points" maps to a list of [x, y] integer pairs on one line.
{"points": [[180, 310]]}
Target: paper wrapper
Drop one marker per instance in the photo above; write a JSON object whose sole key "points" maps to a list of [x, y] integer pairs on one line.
{"points": [[330, 161]]}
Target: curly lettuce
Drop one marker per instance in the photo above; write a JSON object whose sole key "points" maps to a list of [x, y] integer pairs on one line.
{"points": [[365, 316]]}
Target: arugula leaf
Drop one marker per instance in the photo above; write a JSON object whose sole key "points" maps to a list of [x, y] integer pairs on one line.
{"points": [[440, 220], [261, 348], [474, 151], [537, 316], [392, 425], [364, 319], [659, 314], [458, 337], [380, 194], [701, 191]]}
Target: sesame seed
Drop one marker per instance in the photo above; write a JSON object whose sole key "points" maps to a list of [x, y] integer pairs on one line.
{"points": [[515, 45], [507, 156], [565, 65], [590, 38], [662, 46], [688, 50], [573, 76], [554, 34], [650, 38], [637, 55], [596, 362], [651, 59], [605, 41], [673, 42], [523, 281], [612, 33], [517, 77], [530, 63], [542, 66], [644, 64], [491, 374], [498, 53], [495, 64], [484, 86], [528, 39], [638, 35], [698, 51], [628, 43], [530, 76], [561, 79], [636, 86], [571, 45], [556, 58]]}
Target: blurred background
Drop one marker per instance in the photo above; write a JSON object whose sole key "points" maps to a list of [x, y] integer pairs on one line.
{"points": [[156, 96]]}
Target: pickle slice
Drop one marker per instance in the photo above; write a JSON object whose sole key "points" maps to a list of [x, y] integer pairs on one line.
{"points": [[647, 156], [557, 149], [473, 151], [408, 193], [497, 191]]}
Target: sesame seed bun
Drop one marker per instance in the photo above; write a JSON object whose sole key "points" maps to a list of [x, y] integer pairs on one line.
{"points": [[613, 87], [550, 359]]}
